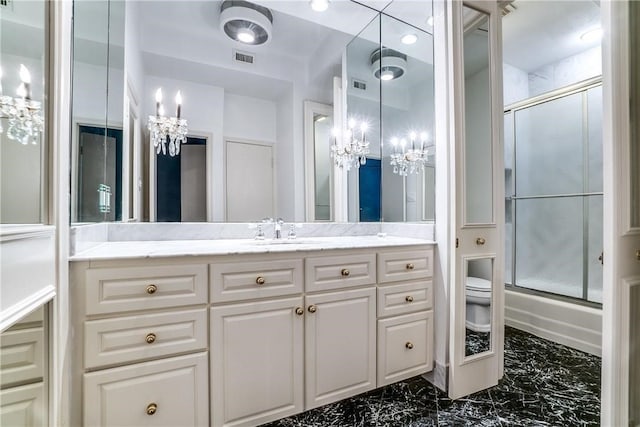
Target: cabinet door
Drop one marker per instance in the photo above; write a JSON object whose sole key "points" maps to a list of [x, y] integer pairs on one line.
{"points": [[169, 392], [23, 406], [256, 361], [340, 345]]}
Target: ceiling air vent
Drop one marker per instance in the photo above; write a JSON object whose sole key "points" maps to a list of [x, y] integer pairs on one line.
{"points": [[244, 57], [6, 4], [358, 84]]}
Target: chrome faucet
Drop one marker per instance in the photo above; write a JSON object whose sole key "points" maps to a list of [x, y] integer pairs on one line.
{"points": [[277, 226]]}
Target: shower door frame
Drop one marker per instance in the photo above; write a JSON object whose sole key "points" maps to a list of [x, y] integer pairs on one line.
{"points": [[576, 88]]}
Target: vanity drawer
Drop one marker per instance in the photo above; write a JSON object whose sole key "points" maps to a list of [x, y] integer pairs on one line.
{"points": [[168, 392], [112, 290], [405, 346], [23, 406], [127, 339], [406, 265], [21, 356], [336, 272], [405, 298], [235, 281]]}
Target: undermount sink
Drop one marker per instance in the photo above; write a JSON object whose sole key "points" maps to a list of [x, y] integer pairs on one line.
{"points": [[269, 242]]}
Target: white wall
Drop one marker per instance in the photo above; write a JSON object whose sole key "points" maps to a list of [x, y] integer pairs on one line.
{"points": [[249, 118], [567, 71], [515, 83], [89, 91]]}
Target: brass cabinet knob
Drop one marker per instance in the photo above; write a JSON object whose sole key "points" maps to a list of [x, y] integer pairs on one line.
{"points": [[299, 311], [151, 408], [409, 345], [638, 254], [345, 272], [312, 309], [151, 289], [260, 280], [408, 298], [410, 266], [480, 241], [151, 338]]}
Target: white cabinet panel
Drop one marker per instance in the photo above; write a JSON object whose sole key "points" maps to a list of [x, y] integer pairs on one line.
{"points": [[333, 272], [404, 298], [134, 338], [21, 356], [256, 361], [23, 406], [169, 392], [250, 279], [111, 290], [405, 265], [340, 345], [405, 346]]}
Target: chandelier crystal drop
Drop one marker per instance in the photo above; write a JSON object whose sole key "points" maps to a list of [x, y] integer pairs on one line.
{"points": [[411, 159], [22, 113], [347, 150], [171, 131]]}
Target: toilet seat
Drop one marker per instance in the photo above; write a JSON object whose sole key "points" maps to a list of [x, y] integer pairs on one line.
{"points": [[478, 291]]}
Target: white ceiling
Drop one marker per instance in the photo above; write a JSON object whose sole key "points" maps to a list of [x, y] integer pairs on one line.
{"points": [[540, 32]]}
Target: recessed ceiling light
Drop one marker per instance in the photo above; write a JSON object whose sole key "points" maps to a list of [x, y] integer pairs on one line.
{"points": [[245, 35], [430, 21], [319, 5], [592, 35], [409, 39]]}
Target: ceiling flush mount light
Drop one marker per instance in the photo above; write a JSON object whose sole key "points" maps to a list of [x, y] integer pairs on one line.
{"points": [[388, 64], [171, 129], [319, 5], [246, 22], [409, 39], [592, 35], [23, 114]]}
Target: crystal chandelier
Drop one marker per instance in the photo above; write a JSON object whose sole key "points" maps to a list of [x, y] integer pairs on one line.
{"points": [[23, 114], [347, 150], [171, 129], [411, 160]]}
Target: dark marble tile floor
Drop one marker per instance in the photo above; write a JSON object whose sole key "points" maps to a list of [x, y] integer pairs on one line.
{"points": [[544, 384]]}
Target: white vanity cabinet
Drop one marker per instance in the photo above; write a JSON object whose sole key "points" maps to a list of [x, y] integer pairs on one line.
{"points": [[246, 339], [405, 315], [144, 332], [22, 373]]}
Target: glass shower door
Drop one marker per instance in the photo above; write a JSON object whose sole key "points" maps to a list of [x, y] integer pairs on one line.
{"points": [[554, 194]]}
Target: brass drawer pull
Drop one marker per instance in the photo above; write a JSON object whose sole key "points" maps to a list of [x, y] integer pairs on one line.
{"points": [[410, 266], [299, 311], [480, 241], [312, 309], [151, 338], [409, 345], [151, 408], [345, 272], [408, 298], [260, 280], [638, 254], [151, 289]]}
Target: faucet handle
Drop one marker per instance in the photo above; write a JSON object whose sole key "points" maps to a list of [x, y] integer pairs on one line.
{"points": [[292, 232], [279, 221], [259, 232]]}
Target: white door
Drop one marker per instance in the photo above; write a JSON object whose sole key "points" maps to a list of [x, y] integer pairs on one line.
{"points": [[256, 361], [621, 270], [476, 339], [249, 181], [340, 345]]}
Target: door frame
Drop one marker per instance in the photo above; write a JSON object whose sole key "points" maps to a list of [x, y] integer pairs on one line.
{"points": [[271, 145], [153, 215], [620, 273]]}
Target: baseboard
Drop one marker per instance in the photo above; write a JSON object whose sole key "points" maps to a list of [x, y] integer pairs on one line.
{"points": [[573, 325]]}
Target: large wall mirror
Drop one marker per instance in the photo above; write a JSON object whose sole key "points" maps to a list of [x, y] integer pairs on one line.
{"points": [[23, 148], [254, 110]]}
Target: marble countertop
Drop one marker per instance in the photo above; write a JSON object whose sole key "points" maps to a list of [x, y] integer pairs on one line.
{"points": [[172, 248]]}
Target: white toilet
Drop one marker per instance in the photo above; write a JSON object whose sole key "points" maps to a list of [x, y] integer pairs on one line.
{"points": [[478, 304]]}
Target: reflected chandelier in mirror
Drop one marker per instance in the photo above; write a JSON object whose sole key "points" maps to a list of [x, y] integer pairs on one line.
{"points": [[163, 129], [24, 114]]}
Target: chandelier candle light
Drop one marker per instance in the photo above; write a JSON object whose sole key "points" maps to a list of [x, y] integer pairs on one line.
{"points": [[173, 129], [413, 159], [347, 150], [23, 114]]}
